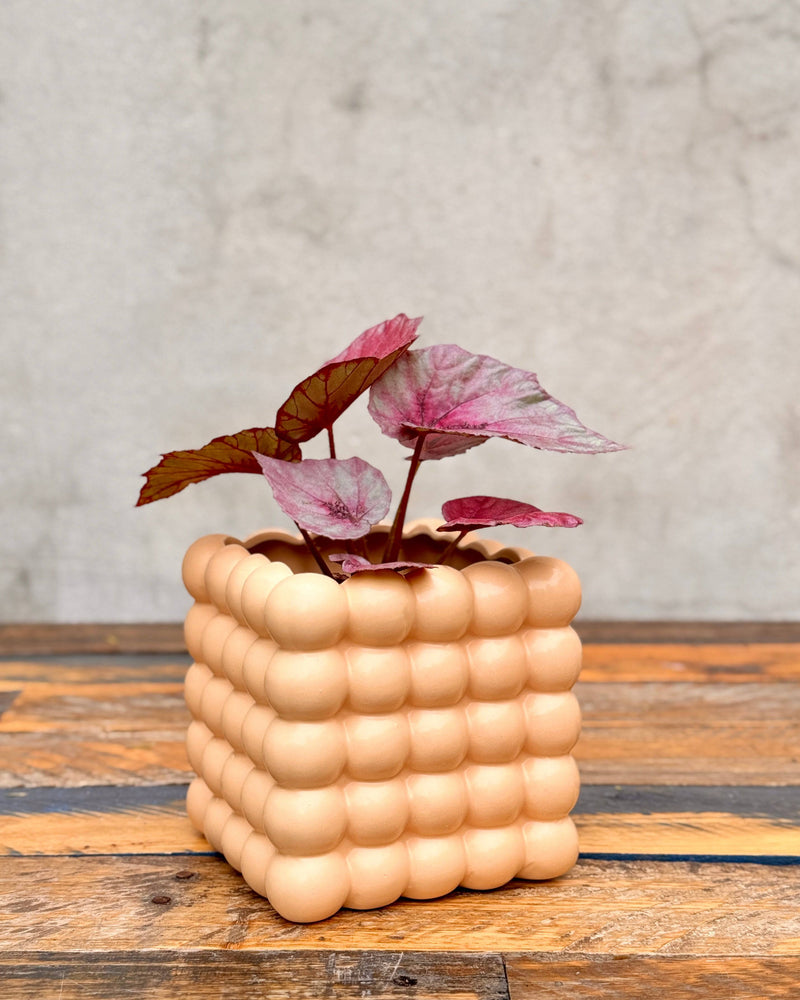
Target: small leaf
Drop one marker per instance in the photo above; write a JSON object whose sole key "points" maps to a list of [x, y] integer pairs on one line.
{"points": [[229, 453], [317, 401], [469, 513], [358, 564], [337, 498], [448, 391]]}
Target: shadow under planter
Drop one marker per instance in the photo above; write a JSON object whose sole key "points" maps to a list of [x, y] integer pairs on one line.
{"points": [[384, 736]]}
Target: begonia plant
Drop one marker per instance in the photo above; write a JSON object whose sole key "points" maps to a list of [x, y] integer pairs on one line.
{"points": [[437, 401]]}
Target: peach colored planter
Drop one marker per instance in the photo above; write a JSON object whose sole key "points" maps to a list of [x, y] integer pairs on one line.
{"points": [[387, 736]]}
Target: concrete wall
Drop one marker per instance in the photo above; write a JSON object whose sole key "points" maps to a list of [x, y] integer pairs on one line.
{"points": [[201, 201]]}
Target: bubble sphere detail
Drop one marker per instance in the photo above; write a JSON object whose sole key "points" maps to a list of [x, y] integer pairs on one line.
{"points": [[306, 685], [307, 889], [305, 754], [554, 591], [437, 865], [377, 811], [501, 598], [305, 821], [381, 608], [255, 592], [305, 612], [219, 568], [378, 875], [236, 580], [444, 604], [194, 565], [197, 620], [493, 856], [256, 856], [553, 657], [198, 798], [550, 848]]}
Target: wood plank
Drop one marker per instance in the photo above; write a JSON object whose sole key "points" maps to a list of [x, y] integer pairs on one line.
{"points": [[737, 663], [648, 821], [42, 639], [687, 631], [75, 734], [650, 977], [69, 759], [688, 755], [105, 820], [687, 833], [600, 907], [710, 705], [163, 975], [61, 639], [118, 707], [92, 669], [699, 734]]}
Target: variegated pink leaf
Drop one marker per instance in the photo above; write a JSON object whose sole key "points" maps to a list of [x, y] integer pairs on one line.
{"points": [[445, 390], [317, 401], [358, 564], [470, 513], [337, 498]]}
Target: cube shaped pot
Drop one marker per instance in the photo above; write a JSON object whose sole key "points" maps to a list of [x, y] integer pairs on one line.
{"points": [[384, 736]]}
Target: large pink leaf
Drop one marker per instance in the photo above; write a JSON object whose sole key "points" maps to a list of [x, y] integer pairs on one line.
{"points": [[469, 513], [337, 498], [448, 391], [317, 401], [229, 453], [358, 564]]}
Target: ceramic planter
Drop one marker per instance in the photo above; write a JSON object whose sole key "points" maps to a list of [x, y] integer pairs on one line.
{"points": [[386, 736]]}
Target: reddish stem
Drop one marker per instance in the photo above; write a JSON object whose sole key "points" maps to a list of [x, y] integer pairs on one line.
{"points": [[392, 549], [315, 552], [450, 548], [330, 441]]}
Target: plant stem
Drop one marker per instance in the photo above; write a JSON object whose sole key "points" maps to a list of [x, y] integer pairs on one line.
{"points": [[330, 441], [392, 549], [315, 552], [450, 548]]}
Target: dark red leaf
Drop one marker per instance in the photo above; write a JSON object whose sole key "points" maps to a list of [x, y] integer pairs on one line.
{"points": [[317, 401], [358, 564], [229, 453], [469, 513], [445, 390], [337, 498]]}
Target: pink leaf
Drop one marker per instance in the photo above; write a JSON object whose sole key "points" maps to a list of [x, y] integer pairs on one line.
{"points": [[469, 513], [337, 498], [448, 391], [358, 564], [317, 401]]}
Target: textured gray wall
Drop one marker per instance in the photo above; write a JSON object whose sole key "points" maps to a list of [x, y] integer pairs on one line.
{"points": [[200, 201]]}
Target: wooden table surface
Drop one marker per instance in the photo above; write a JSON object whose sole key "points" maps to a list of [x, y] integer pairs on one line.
{"points": [[688, 883]]}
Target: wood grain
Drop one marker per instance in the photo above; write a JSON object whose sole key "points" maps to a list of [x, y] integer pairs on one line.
{"points": [[209, 974], [43, 639], [679, 733], [601, 907], [649, 820], [687, 631], [69, 759], [540, 977], [127, 707], [76, 726], [738, 663]]}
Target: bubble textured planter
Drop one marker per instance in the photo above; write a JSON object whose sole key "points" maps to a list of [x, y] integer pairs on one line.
{"points": [[386, 736]]}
